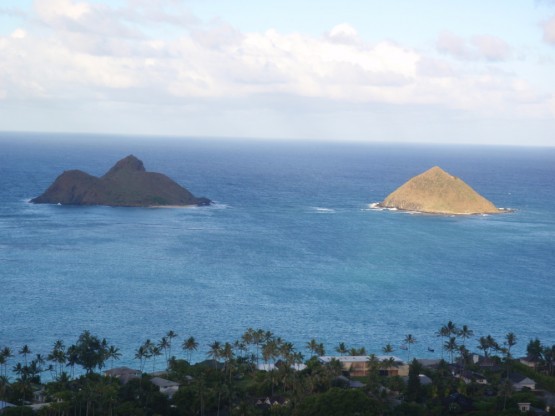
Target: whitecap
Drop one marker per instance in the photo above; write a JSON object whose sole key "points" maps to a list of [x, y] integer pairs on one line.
{"points": [[215, 205], [324, 210], [375, 206]]}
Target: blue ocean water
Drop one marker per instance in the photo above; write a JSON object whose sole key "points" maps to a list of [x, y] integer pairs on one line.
{"points": [[290, 245]]}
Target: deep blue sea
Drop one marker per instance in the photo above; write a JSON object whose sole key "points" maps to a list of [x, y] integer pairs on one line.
{"points": [[290, 245]]}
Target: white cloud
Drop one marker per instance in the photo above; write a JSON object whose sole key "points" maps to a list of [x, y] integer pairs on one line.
{"points": [[491, 48], [343, 33], [549, 31], [52, 10], [480, 47], [18, 34], [74, 51]]}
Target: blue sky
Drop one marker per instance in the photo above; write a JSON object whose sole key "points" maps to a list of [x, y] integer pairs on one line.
{"points": [[403, 71]]}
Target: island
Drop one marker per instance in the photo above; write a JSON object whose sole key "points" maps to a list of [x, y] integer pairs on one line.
{"points": [[438, 192], [126, 184]]}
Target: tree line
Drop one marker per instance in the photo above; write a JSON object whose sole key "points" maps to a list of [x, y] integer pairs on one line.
{"points": [[229, 382]]}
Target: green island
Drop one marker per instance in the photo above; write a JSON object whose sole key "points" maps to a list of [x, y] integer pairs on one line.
{"points": [[263, 374]]}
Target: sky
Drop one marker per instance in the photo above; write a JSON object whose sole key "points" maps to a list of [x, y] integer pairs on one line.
{"points": [[435, 71]]}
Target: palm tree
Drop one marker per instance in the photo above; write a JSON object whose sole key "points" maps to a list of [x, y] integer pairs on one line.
{"points": [[40, 360], [357, 351], [269, 351], [248, 336], [484, 346], [214, 352], [71, 358], [409, 340], [443, 332], [451, 329], [465, 333], [510, 340], [226, 352], [164, 345], [190, 345], [5, 355], [387, 364], [58, 356], [170, 335], [548, 354], [312, 346], [3, 362], [113, 354], [155, 351], [387, 349], [240, 347], [257, 339], [451, 346], [341, 348], [25, 351], [335, 367], [141, 355]]}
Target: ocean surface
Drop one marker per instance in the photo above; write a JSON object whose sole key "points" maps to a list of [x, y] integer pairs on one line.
{"points": [[290, 246]]}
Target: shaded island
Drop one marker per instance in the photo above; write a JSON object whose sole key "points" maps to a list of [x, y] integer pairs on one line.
{"points": [[438, 192], [126, 184]]}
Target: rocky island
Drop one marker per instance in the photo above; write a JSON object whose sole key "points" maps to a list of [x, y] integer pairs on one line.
{"points": [[437, 192], [126, 184]]}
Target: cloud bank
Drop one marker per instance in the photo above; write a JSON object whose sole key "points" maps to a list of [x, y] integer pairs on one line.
{"points": [[156, 53]]}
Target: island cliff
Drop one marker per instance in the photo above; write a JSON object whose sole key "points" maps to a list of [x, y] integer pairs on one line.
{"points": [[126, 184], [437, 192]]}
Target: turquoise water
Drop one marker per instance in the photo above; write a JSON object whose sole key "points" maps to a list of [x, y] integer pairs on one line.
{"points": [[290, 245]]}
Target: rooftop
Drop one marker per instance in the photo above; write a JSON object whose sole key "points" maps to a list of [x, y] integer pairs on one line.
{"points": [[358, 358]]}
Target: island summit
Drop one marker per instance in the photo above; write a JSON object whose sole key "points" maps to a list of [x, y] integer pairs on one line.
{"points": [[126, 184], [438, 192]]}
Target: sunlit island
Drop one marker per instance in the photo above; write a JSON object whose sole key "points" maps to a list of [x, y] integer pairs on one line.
{"points": [[126, 184], [438, 192]]}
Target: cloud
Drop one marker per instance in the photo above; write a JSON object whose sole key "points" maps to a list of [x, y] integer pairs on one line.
{"points": [[343, 33], [481, 47], [549, 31], [73, 51]]}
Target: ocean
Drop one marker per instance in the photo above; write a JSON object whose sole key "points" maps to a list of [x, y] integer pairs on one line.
{"points": [[290, 246]]}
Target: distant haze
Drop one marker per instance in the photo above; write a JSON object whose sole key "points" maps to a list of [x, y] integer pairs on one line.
{"points": [[428, 71]]}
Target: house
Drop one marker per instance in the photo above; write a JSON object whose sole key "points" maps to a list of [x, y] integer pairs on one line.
{"points": [[528, 361], [271, 366], [428, 362], [520, 382], [167, 387], [268, 402], [342, 381], [4, 405], [359, 365], [424, 379], [123, 374], [39, 395], [486, 363], [471, 377]]}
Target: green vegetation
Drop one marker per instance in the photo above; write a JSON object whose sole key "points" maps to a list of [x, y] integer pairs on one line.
{"points": [[231, 381]]}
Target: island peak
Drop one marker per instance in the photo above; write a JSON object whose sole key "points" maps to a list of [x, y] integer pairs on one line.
{"points": [[128, 163], [436, 191], [127, 183]]}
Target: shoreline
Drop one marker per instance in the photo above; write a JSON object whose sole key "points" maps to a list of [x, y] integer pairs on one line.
{"points": [[379, 207]]}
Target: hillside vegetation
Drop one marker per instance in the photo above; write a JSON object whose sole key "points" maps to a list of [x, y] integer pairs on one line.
{"points": [[436, 191]]}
